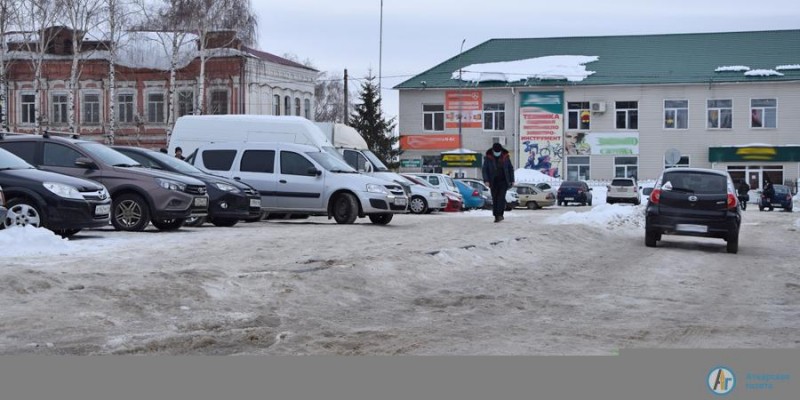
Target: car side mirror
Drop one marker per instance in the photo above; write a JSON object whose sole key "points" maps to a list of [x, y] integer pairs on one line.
{"points": [[646, 191], [85, 162], [313, 171]]}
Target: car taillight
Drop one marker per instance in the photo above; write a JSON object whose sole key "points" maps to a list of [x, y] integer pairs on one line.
{"points": [[550, 196], [732, 201], [475, 193], [655, 196]]}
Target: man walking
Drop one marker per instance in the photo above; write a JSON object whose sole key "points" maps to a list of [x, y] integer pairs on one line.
{"points": [[742, 193], [498, 174]]}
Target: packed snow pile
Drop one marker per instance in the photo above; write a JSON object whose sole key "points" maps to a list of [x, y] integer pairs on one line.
{"points": [[787, 67], [523, 175], [27, 240], [732, 68], [609, 216], [560, 67], [763, 72]]}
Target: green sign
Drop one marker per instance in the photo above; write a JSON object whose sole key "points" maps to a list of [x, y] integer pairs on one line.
{"points": [[754, 153], [467, 160], [409, 163]]}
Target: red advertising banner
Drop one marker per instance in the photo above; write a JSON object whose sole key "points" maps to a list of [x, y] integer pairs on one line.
{"points": [[467, 102], [429, 142]]}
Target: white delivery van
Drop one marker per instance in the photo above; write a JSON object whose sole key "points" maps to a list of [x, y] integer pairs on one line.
{"points": [[302, 180], [193, 131]]}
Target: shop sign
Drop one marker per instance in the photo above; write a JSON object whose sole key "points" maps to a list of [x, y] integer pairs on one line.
{"points": [[466, 160], [754, 153]]}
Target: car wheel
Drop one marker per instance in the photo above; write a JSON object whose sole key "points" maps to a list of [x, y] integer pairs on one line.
{"points": [[651, 238], [66, 233], [637, 202], [381, 219], [609, 201], [418, 205], [532, 205], [194, 221], [345, 208], [130, 213], [733, 242], [168, 224], [23, 212], [589, 203], [772, 208], [224, 222], [760, 208]]}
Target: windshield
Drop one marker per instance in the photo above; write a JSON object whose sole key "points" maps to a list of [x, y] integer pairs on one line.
{"points": [[108, 155], [10, 161], [179, 165], [332, 151], [331, 163], [379, 165], [695, 182], [419, 181]]}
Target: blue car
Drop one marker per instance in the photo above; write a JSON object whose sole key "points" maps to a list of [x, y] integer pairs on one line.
{"points": [[574, 192], [782, 198], [472, 197]]}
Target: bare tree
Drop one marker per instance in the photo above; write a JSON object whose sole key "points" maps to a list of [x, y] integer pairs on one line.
{"points": [[8, 13], [329, 92], [80, 16], [117, 14]]}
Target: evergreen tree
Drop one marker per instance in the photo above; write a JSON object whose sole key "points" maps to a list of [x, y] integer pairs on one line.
{"points": [[368, 120]]}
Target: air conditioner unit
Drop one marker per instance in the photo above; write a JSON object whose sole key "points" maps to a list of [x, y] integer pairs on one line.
{"points": [[598, 106], [499, 139]]}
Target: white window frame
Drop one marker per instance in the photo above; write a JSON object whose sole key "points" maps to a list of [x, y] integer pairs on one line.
{"points": [[298, 110], [763, 112], [287, 105], [676, 111], [276, 104], [626, 166], [571, 164], [84, 107], [498, 117], [627, 112], [119, 106], [432, 115], [64, 110], [178, 111], [719, 110], [25, 107], [578, 113], [211, 93], [149, 104]]}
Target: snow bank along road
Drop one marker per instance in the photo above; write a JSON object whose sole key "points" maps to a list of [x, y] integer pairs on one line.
{"points": [[555, 281]]}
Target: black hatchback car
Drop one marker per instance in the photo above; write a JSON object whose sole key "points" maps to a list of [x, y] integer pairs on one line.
{"points": [[229, 200], [694, 202], [61, 203]]}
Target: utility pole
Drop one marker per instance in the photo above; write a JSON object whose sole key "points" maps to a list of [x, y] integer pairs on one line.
{"points": [[460, 99], [346, 111], [380, 52]]}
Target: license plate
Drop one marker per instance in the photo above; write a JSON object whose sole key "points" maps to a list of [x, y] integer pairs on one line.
{"points": [[569, 198], [691, 228], [400, 201], [102, 209], [255, 203], [201, 201]]}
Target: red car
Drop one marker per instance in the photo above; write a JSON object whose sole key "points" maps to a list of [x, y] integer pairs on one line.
{"points": [[454, 201]]}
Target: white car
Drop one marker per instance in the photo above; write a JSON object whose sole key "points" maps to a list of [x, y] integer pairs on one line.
{"points": [[623, 190], [424, 198]]}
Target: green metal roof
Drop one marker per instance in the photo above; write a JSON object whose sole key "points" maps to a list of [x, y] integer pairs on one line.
{"points": [[639, 59]]}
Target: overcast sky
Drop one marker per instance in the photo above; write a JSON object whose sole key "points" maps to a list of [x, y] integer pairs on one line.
{"points": [[418, 35]]}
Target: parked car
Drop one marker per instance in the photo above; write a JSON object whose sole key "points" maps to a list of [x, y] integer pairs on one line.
{"points": [[694, 202], [229, 200], [512, 199], [424, 197], [454, 199], [140, 195], [473, 198], [440, 181], [623, 190], [532, 197], [482, 188], [61, 203], [781, 198], [3, 209], [574, 192]]}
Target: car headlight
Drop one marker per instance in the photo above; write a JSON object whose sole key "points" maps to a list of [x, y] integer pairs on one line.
{"points": [[62, 190], [171, 185], [226, 187], [374, 188]]}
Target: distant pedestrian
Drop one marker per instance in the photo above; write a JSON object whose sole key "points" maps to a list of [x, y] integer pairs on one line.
{"points": [[498, 174], [163, 150], [742, 192], [179, 153]]}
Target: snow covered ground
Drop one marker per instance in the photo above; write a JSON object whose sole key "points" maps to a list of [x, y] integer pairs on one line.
{"points": [[561, 281]]}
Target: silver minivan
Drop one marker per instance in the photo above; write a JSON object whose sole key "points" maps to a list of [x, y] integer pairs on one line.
{"points": [[303, 180]]}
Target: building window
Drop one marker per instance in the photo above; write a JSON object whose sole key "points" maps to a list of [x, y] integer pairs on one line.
{"points": [[433, 117], [59, 115], [494, 117], [627, 114], [125, 108], [155, 108], [578, 169], [763, 113], [219, 102], [676, 114], [682, 163], [626, 167], [307, 108], [185, 103], [578, 115], [720, 114], [91, 108], [287, 105], [28, 108], [297, 106], [276, 105]]}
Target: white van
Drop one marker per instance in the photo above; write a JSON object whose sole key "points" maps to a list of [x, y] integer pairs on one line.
{"points": [[303, 180], [193, 131]]}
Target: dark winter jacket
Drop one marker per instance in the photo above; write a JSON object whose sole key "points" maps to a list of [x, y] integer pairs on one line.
{"points": [[490, 165]]}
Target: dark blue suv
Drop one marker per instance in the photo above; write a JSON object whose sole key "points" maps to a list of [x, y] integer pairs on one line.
{"points": [[781, 198]]}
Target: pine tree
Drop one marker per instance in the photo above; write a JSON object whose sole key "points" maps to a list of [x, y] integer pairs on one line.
{"points": [[368, 120]]}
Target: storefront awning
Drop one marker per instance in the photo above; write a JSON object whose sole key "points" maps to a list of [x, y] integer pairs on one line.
{"points": [[754, 152]]}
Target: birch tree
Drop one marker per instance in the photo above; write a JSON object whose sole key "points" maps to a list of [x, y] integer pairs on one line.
{"points": [[116, 13], [80, 16], [8, 13]]}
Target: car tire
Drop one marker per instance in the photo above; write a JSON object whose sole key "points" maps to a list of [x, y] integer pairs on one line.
{"points": [[24, 212], [650, 238], [760, 208], [532, 205], [67, 233], [609, 201], [172, 224], [589, 203], [732, 245], [418, 205], [381, 219], [130, 212], [224, 222], [345, 208], [194, 222], [637, 202]]}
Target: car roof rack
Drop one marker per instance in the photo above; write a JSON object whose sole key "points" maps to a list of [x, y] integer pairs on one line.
{"points": [[72, 135]]}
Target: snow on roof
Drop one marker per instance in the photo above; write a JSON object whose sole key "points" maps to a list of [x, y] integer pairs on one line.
{"points": [[732, 68], [154, 50], [460, 151], [791, 66], [763, 72], [571, 68]]}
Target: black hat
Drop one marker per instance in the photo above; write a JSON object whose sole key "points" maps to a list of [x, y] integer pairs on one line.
{"points": [[497, 147]]}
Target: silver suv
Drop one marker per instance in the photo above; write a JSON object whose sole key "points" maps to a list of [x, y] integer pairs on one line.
{"points": [[623, 190]]}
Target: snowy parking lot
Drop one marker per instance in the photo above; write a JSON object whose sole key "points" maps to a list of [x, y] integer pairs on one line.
{"points": [[558, 281]]}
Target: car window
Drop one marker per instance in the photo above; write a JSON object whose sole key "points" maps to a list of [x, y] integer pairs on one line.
{"points": [[23, 150], [258, 161], [572, 184], [294, 164], [218, 160], [781, 189], [695, 182], [522, 190], [449, 181], [141, 159], [58, 155], [10, 161], [622, 182], [433, 180], [355, 160]]}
